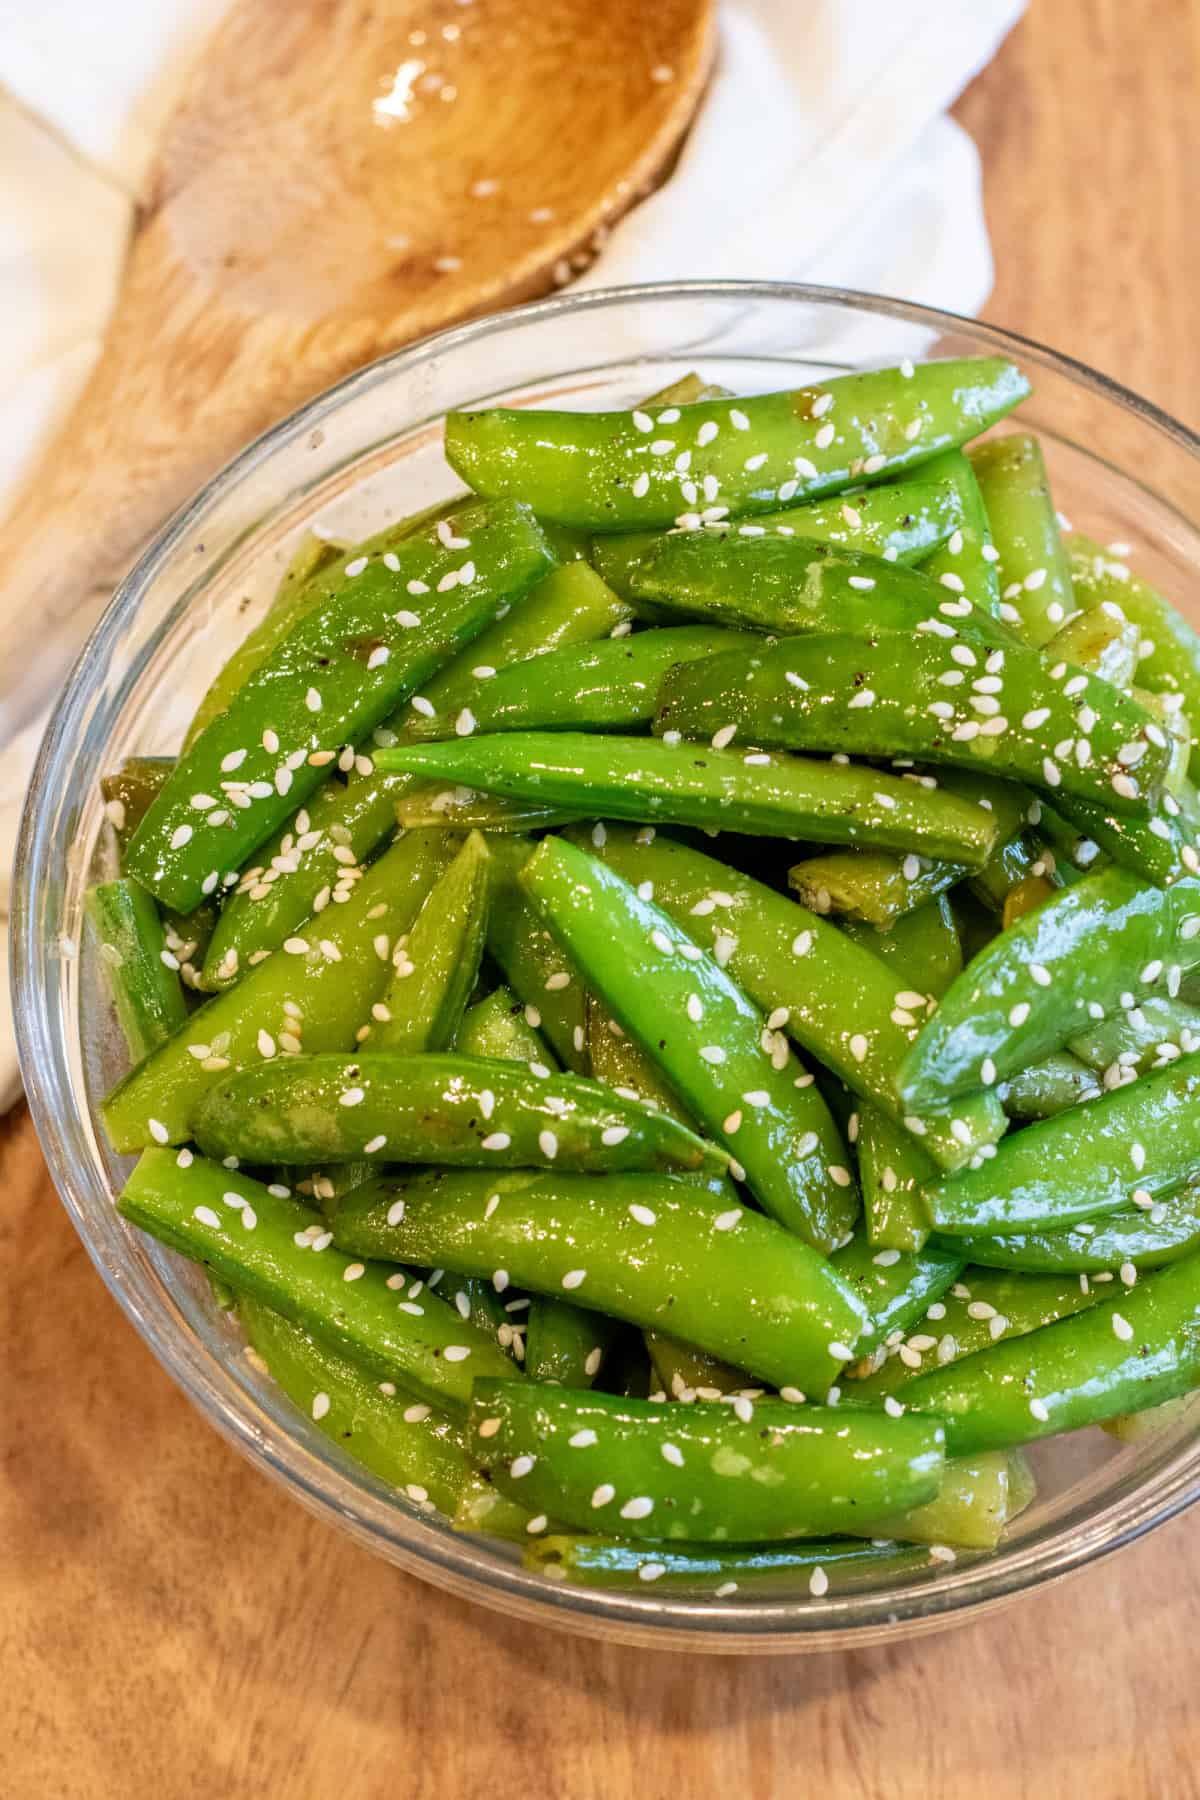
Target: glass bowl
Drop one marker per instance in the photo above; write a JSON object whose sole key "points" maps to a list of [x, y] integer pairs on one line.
{"points": [[369, 450]]}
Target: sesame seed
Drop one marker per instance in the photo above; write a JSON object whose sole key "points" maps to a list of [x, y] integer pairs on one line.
{"points": [[574, 1278], [818, 1583], [726, 1221], [824, 437], [1040, 1411]]}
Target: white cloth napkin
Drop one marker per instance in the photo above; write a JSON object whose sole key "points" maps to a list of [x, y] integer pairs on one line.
{"points": [[822, 153]]}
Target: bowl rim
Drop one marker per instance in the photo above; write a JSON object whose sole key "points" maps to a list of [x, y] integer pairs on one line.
{"points": [[363, 1506]]}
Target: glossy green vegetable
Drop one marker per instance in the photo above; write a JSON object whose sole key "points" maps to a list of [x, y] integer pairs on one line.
{"points": [[270, 1248], [565, 1344], [900, 522], [609, 686], [448, 1109], [923, 946], [1035, 573], [720, 1570], [653, 1251], [1048, 1087], [894, 1286], [687, 1374], [1007, 712], [314, 997], [1103, 642], [762, 1470], [970, 1509], [1034, 987], [871, 885], [644, 780], [1122, 1356], [129, 792], [497, 1026], [435, 966], [893, 1170], [629, 471], [802, 972], [1169, 652], [533, 963], [713, 1045], [1141, 1237], [404, 1442], [142, 974], [1139, 1140], [1130, 1041], [341, 669], [967, 562], [1135, 1428]]}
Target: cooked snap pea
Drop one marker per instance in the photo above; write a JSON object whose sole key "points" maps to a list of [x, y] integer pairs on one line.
{"points": [[533, 963], [436, 964], [900, 522], [969, 1510], [1136, 1142], [564, 1343], [1130, 1041], [732, 1072], [1103, 643], [449, 1109], [967, 562], [315, 996], [1034, 569], [923, 945], [893, 1170], [871, 884], [627, 471], [497, 1026], [142, 974], [1007, 711], [762, 1470], [681, 784], [268, 1247], [722, 1571], [1048, 1087], [341, 669], [847, 1008], [687, 1374], [1135, 1351], [1141, 1237], [1037, 985], [895, 1286], [129, 791], [651, 1250]]}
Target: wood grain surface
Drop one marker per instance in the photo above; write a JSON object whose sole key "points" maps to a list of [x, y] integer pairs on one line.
{"points": [[170, 1625]]}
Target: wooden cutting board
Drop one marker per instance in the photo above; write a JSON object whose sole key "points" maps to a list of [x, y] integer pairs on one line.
{"points": [[170, 1625]]}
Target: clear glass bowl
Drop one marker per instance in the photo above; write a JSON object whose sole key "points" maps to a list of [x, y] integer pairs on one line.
{"points": [[368, 450]]}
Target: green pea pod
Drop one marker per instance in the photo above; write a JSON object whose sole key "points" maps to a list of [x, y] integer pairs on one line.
{"points": [[315, 996], [448, 1109], [142, 973], [732, 1073], [130, 791], [924, 946], [1169, 652], [610, 686], [533, 963], [1034, 569], [1048, 1087], [900, 522], [1037, 985], [320, 849], [650, 1250], [720, 1570], [458, 808], [497, 1026], [1138, 1140], [776, 796], [1101, 642], [481, 1508], [405, 1442], [270, 1249], [1135, 1428], [893, 1170], [1155, 1031], [631, 471], [895, 1286], [564, 1344], [340, 671], [685, 1373], [706, 1472], [1140, 1237], [842, 1004], [794, 586], [968, 562], [1119, 1357], [889, 697], [970, 1509], [984, 1306], [871, 885], [435, 967]]}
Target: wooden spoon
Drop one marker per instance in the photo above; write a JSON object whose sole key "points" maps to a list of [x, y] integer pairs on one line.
{"points": [[342, 177]]}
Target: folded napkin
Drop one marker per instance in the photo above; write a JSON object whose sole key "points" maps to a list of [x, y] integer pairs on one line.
{"points": [[822, 153]]}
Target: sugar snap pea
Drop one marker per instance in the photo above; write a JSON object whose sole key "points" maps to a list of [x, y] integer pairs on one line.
{"points": [[1132, 1040], [765, 1470], [1139, 1141], [1006, 712], [1048, 1087], [497, 1026], [923, 945], [313, 997], [730, 1069], [129, 791], [967, 563], [871, 885], [838, 1566], [453, 1109], [652, 1250], [687, 1374], [1121, 1356], [893, 1171], [775, 796], [895, 1286], [565, 1344], [268, 1247], [1137, 1237], [1037, 985], [1103, 642], [969, 1510], [628, 471], [340, 671], [1035, 573], [533, 962], [436, 964], [142, 974]]}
